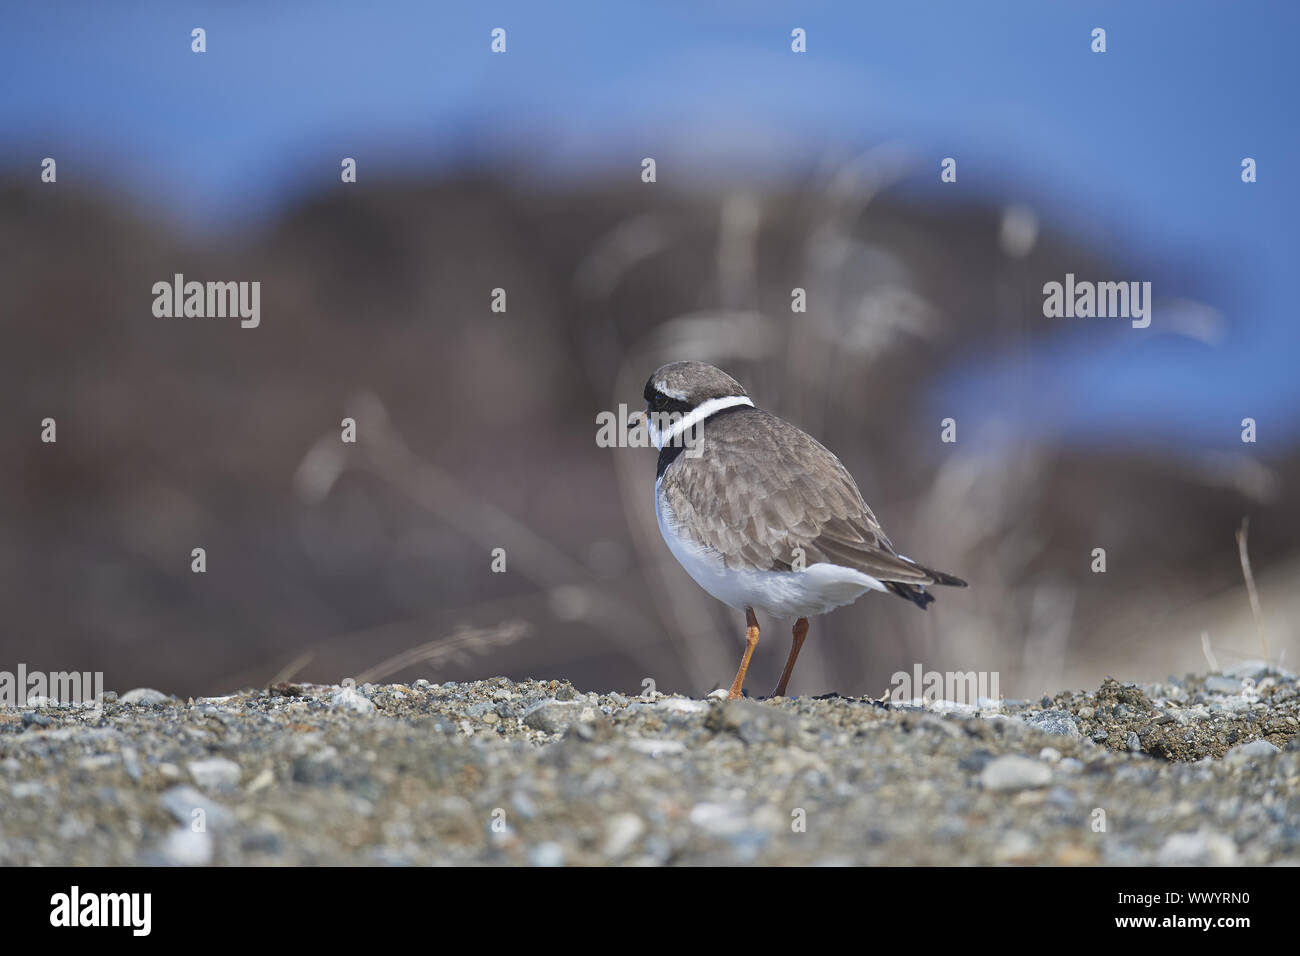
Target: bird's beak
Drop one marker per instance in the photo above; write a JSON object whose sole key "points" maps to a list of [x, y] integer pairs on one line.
{"points": [[636, 418]]}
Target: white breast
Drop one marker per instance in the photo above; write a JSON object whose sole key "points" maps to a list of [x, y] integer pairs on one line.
{"points": [[783, 594]]}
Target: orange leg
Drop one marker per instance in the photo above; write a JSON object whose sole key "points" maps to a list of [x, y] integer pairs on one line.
{"points": [[800, 632], [751, 641]]}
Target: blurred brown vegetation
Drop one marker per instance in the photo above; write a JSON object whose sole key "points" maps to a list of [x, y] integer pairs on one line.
{"points": [[477, 430]]}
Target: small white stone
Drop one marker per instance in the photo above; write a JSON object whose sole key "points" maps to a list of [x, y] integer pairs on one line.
{"points": [[215, 773], [621, 831], [1014, 845], [1013, 772], [719, 819], [185, 847], [1202, 848], [546, 854], [349, 698], [98, 762], [183, 801], [684, 705], [143, 695], [653, 747]]}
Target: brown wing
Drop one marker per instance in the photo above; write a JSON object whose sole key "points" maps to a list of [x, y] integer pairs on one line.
{"points": [[761, 489]]}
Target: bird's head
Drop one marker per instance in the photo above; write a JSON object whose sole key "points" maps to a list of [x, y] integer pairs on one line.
{"points": [[680, 395]]}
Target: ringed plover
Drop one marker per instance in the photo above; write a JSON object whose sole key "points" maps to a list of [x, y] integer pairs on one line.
{"points": [[760, 514]]}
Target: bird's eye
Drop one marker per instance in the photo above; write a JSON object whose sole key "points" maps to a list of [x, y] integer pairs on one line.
{"points": [[657, 403]]}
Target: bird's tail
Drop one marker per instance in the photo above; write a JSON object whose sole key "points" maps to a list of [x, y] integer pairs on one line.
{"points": [[917, 593]]}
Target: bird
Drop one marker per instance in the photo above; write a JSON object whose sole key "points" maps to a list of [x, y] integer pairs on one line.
{"points": [[760, 514]]}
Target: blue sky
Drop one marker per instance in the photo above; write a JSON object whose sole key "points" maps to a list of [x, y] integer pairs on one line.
{"points": [[1136, 150]]}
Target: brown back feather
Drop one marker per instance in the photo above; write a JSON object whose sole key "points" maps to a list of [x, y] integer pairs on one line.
{"points": [[762, 488]]}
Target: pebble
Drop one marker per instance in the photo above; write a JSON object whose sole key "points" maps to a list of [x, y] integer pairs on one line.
{"points": [[131, 764], [554, 717], [1254, 670], [546, 854], [1061, 797], [1056, 722], [684, 705], [621, 832], [215, 773], [1203, 848], [1222, 685], [98, 762], [145, 697], [656, 748], [349, 698], [182, 801], [720, 819], [975, 762], [1015, 846], [1251, 752], [524, 805], [185, 847], [1013, 772], [756, 723]]}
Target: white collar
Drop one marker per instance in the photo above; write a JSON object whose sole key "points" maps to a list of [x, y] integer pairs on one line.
{"points": [[696, 415]]}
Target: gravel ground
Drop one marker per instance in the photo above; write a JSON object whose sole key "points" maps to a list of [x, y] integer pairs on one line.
{"points": [[1198, 770]]}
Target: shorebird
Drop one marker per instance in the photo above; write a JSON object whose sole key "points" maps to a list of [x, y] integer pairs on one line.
{"points": [[760, 514]]}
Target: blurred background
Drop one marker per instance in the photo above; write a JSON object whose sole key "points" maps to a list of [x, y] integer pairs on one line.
{"points": [[477, 430]]}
